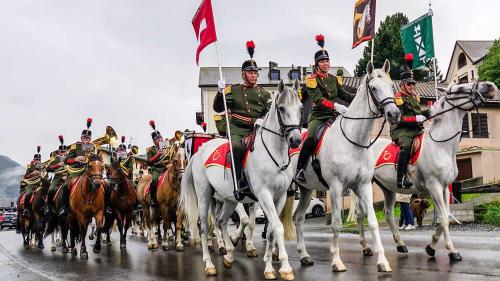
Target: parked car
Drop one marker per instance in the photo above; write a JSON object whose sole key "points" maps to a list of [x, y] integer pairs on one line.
{"points": [[10, 220], [316, 209], [2, 217]]}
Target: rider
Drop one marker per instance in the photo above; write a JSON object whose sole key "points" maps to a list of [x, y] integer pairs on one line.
{"points": [[127, 160], [245, 103], [324, 89], [76, 162], [156, 160], [32, 179], [56, 166], [411, 122]]}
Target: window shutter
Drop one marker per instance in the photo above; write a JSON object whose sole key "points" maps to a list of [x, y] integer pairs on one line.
{"points": [[479, 125], [465, 127]]}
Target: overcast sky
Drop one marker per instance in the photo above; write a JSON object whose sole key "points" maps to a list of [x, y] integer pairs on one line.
{"points": [[125, 62]]}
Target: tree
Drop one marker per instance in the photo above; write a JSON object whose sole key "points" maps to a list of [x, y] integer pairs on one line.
{"points": [[490, 69], [388, 45]]}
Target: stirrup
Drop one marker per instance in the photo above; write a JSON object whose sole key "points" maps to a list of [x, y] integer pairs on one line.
{"points": [[109, 211], [300, 177], [62, 211], [26, 212]]}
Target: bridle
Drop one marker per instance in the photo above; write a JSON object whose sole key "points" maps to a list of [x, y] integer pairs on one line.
{"points": [[380, 107], [284, 132], [473, 94]]}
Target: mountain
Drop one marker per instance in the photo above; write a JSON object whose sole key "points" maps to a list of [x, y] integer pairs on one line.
{"points": [[10, 176]]}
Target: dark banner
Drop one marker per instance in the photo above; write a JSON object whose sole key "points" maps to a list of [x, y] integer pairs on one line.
{"points": [[364, 22]]}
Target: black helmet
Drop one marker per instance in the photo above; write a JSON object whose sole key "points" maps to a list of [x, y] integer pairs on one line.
{"points": [[406, 72], [37, 156], [155, 134], [87, 132], [321, 54], [122, 145], [62, 147], [250, 65]]}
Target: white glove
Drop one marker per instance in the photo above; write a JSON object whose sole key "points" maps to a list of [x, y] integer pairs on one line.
{"points": [[421, 118], [222, 85], [340, 108]]}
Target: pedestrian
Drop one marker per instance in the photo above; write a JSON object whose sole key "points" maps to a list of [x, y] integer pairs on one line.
{"points": [[406, 218]]}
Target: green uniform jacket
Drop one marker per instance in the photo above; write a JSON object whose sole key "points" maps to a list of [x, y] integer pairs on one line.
{"points": [[157, 164], [324, 92], [76, 168], [31, 181], [127, 166], [409, 106], [245, 105], [57, 167]]}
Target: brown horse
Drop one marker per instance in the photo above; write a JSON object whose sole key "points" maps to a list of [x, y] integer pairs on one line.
{"points": [[149, 215], [33, 224], [87, 201], [56, 222], [168, 195], [123, 199]]}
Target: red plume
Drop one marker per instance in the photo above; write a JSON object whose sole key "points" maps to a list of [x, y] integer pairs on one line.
{"points": [[38, 148], [320, 39], [152, 124], [89, 123], [250, 48], [123, 139], [409, 57], [61, 139]]}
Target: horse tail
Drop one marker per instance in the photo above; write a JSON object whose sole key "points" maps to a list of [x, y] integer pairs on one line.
{"points": [[287, 219], [188, 199]]}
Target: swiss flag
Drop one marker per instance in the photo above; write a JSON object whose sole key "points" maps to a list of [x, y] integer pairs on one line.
{"points": [[204, 26]]}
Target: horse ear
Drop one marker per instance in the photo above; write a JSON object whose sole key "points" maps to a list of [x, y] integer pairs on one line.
{"points": [[296, 85], [369, 68], [387, 66], [281, 86]]}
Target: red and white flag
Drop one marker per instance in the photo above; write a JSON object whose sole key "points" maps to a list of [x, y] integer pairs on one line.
{"points": [[204, 26]]}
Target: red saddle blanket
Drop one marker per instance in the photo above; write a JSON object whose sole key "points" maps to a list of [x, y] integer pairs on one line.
{"points": [[21, 202], [218, 157], [74, 182], [294, 151], [161, 179], [390, 153]]}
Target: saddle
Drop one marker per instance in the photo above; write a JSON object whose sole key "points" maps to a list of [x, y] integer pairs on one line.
{"points": [[222, 156], [161, 179], [318, 137], [389, 155]]}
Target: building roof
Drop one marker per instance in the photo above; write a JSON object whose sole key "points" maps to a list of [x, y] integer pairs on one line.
{"points": [[476, 50], [210, 75]]}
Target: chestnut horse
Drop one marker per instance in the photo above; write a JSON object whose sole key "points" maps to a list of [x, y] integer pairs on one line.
{"points": [[123, 199], [57, 222], [87, 201], [168, 195]]}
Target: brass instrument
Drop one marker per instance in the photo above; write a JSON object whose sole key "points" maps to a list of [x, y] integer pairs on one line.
{"points": [[110, 137], [135, 150]]}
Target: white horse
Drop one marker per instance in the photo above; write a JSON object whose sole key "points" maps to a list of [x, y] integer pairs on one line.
{"points": [[346, 162], [437, 166], [268, 172]]}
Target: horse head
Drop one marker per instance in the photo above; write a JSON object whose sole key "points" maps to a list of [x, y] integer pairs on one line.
{"points": [[469, 95], [95, 168], [114, 174], [288, 110], [179, 160], [379, 87]]}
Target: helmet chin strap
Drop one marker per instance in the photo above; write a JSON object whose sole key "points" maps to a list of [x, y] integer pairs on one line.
{"points": [[244, 77]]}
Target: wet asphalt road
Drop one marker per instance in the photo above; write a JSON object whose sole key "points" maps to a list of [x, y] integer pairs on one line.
{"points": [[480, 252]]}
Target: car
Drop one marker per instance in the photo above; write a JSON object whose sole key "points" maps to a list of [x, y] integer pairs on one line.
{"points": [[2, 217], [10, 220], [316, 209]]}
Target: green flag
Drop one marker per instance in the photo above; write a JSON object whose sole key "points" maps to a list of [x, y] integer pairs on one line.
{"points": [[417, 39]]}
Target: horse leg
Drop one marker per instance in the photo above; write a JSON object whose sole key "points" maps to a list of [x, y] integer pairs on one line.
{"points": [[216, 207], [128, 221], [365, 199], [269, 273], [64, 237], [227, 210], [251, 250], [299, 218], [203, 206], [360, 217], [52, 242], [166, 226], [276, 227], [99, 221], [178, 230], [238, 234], [83, 222], [336, 189], [390, 200]]}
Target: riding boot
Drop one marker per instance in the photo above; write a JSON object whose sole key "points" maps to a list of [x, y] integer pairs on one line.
{"points": [[243, 188], [305, 154], [402, 178], [48, 205], [152, 192], [64, 199], [107, 200], [27, 205]]}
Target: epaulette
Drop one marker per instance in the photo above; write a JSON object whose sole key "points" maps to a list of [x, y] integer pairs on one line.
{"points": [[73, 146], [149, 148], [417, 98], [311, 81], [227, 90], [339, 79], [398, 99], [28, 166], [217, 117]]}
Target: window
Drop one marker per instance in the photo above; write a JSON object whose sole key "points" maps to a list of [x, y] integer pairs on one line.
{"points": [[274, 75], [465, 127], [479, 125], [463, 79], [462, 60]]}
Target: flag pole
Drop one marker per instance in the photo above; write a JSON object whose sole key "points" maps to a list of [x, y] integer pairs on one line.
{"points": [[434, 58], [228, 129], [373, 43]]}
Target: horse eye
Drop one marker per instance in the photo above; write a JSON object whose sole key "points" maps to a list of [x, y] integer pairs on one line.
{"points": [[374, 89]]}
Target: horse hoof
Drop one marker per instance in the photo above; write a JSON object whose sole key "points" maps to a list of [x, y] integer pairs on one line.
{"points": [[84, 255], [431, 252], [211, 271], [402, 249], [41, 246], [123, 246], [150, 247], [227, 264], [306, 261], [65, 250], [287, 276], [222, 251], [252, 253], [235, 241], [179, 248], [338, 267], [96, 250], [109, 244], [91, 237], [455, 257], [165, 247], [367, 252], [384, 267], [270, 275], [276, 258], [53, 248], [210, 248], [155, 246], [74, 252]]}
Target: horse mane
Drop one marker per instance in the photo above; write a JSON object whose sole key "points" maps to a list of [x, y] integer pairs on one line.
{"points": [[95, 157]]}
